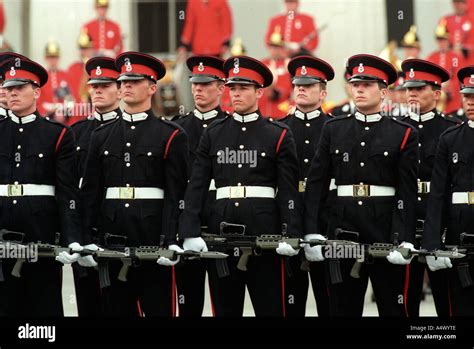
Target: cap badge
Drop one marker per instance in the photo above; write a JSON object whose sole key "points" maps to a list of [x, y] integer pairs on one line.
{"points": [[412, 73], [303, 70], [12, 71], [471, 80], [128, 65], [236, 66], [201, 66], [361, 68], [98, 71]]}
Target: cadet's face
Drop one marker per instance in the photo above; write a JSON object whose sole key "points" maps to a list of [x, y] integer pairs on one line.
{"points": [[22, 99], [309, 97], [104, 96], [459, 7], [422, 98], [401, 96], [135, 92], [245, 98], [207, 95], [411, 52], [468, 105], [443, 44], [368, 96]]}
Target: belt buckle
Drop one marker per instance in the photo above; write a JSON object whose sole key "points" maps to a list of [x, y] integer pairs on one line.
{"points": [[422, 187], [302, 186], [127, 193], [237, 192], [15, 190], [360, 190], [470, 198]]}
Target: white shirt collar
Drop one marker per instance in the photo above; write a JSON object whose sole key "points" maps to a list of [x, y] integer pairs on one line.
{"points": [[106, 116], [423, 117], [245, 118], [23, 119], [368, 118], [207, 115], [3, 112], [470, 123], [134, 117], [311, 115]]}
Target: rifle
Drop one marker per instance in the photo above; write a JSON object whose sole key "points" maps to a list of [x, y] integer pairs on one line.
{"points": [[129, 256], [382, 250], [9, 237], [232, 236]]}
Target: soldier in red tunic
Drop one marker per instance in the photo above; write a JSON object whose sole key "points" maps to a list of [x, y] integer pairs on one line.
{"points": [[298, 30], [105, 34], [452, 61], [56, 93], [275, 100], [207, 28]]}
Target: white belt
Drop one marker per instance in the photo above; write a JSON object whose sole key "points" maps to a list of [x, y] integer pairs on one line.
{"points": [[364, 190], [130, 193], [212, 185], [26, 190], [240, 192], [332, 184], [463, 198], [423, 187]]}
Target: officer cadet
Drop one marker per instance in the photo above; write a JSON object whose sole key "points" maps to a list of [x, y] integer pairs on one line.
{"points": [[135, 177], [5, 56], [207, 86], [105, 34], [105, 95], [249, 157], [423, 83], [309, 78], [374, 162], [38, 191], [450, 201]]}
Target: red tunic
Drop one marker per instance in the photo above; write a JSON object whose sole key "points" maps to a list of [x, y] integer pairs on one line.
{"points": [[207, 27], [452, 62], [105, 35], [297, 28]]}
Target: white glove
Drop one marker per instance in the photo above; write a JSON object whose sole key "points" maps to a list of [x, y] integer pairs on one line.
{"points": [[67, 258], [396, 257], [438, 263], [195, 244], [168, 262], [285, 249], [89, 261], [314, 253]]}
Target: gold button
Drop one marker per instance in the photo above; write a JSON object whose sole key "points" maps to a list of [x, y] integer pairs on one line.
{"points": [[236, 204], [21, 130], [360, 203], [132, 127], [306, 141], [106, 152], [78, 148], [239, 165], [244, 129], [127, 205], [127, 164], [128, 144], [40, 155], [385, 153], [362, 144], [264, 154], [19, 147], [149, 153], [241, 146], [362, 164]]}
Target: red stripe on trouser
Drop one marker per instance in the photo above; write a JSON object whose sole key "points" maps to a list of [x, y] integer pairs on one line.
{"points": [[210, 297], [405, 289], [173, 293], [283, 286], [140, 314]]}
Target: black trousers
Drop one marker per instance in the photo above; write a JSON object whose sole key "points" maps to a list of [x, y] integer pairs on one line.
{"points": [[148, 291], [388, 281], [264, 279], [296, 287], [88, 293], [190, 281], [461, 298], [37, 293], [439, 286]]}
